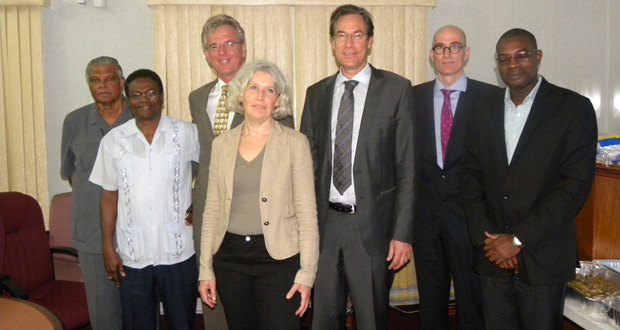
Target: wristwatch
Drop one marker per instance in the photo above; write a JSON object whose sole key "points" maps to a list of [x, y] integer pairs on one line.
{"points": [[517, 242]]}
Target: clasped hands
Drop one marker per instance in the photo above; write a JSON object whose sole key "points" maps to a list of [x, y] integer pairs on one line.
{"points": [[500, 250]]}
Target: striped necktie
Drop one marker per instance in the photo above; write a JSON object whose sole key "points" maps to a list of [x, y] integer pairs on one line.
{"points": [[344, 135]]}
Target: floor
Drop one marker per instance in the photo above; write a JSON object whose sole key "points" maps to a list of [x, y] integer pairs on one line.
{"points": [[407, 320]]}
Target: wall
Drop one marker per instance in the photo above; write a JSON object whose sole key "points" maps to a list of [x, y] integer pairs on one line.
{"points": [[74, 34], [576, 38]]}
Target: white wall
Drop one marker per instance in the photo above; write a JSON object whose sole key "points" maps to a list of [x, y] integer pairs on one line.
{"points": [[578, 38], [74, 34]]}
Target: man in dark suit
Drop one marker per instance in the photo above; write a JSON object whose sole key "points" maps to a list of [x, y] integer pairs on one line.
{"points": [[527, 170], [223, 42], [359, 124], [442, 246]]}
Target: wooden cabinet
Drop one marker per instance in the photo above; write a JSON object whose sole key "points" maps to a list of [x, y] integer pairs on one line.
{"points": [[598, 223]]}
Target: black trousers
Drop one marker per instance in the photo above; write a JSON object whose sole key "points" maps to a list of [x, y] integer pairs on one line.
{"points": [[510, 304], [174, 284], [448, 255], [253, 286]]}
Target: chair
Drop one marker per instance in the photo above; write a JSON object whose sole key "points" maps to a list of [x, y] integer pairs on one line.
{"points": [[26, 266], [66, 267]]}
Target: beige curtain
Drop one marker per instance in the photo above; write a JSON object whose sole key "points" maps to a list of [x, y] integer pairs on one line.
{"points": [[23, 156], [295, 37]]}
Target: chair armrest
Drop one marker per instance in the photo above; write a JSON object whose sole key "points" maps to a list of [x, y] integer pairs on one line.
{"points": [[11, 287], [64, 250]]}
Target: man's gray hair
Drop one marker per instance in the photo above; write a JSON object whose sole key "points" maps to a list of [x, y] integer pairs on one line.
{"points": [[215, 22], [241, 81], [104, 60]]}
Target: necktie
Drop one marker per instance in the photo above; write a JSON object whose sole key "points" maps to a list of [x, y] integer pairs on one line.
{"points": [[344, 134], [221, 116], [446, 121]]}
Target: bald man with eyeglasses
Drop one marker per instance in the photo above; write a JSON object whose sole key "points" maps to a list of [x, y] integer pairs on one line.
{"points": [[442, 248]]}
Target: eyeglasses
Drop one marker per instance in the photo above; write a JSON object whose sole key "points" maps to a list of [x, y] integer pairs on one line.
{"points": [[520, 56], [454, 48], [228, 45], [135, 97], [343, 37]]}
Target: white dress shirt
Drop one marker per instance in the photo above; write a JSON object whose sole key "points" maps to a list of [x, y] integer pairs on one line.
{"points": [[515, 118], [212, 102], [359, 98]]}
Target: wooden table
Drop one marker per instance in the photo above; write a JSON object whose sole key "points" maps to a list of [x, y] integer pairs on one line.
{"points": [[18, 314]]}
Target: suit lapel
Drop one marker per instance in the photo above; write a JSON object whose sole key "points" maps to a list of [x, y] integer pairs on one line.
{"points": [[427, 124], [229, 158], [457, 132], [273, 149], [536, 113], [323, 121], [373, 98]]}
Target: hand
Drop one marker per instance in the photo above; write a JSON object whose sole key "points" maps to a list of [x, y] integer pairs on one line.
{"points": [[304, 290], [208, 293], [511, 264], [189, 216], [499, 248], [113, 266], [399, 254]]}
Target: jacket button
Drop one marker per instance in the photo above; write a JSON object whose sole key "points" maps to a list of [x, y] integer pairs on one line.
{"points": [[264, 199], [266, 223], [443, 177], [443, 198], [506, 196]]}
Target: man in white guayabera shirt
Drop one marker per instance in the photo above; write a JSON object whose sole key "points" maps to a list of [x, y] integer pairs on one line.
{"points": [[144, 168]]}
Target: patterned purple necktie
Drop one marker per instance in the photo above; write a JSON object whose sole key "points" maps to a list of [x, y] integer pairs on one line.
{"points": [[446, 121]]}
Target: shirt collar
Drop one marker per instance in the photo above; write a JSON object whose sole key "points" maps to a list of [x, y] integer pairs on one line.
{"points": [[165, 124], [460, 85], [529, 98], [361, 77]]}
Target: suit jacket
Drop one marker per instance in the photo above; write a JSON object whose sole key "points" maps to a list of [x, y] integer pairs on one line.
{"points": [[539, 194], [437, 190], [197, 106], [383, 170], [287, 200]]}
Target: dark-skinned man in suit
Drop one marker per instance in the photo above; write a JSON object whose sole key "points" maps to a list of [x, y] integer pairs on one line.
{"points": [[528, 167]]}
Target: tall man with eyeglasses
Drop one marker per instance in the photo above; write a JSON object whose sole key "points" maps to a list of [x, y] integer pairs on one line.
{"points": [[223, 43], [527, 170], [359, 125], [442, 248]]}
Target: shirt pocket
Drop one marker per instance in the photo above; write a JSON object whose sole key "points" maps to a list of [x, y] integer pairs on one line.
{"points": [[85, 155], [130, 243], [177, 166], [176, 238]]}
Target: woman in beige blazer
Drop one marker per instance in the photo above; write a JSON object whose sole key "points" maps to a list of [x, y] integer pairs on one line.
{"points": [[260, 235]]}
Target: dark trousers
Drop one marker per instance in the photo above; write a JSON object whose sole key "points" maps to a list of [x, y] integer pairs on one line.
{"points": [[253, 286], [174, 284], [448, 255], [510, 304], [346, 268]]}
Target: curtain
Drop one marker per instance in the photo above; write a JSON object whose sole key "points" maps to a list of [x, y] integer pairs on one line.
{"points": [[23, 155]]}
